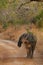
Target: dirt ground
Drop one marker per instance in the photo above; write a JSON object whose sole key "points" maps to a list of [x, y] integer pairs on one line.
{"points": [[10, 54]]}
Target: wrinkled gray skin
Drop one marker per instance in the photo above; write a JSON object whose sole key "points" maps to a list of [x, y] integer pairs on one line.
{"points": [[31, 40]]}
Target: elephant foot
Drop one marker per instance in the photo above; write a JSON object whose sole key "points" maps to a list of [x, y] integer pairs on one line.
{"points": [[29, 56]]}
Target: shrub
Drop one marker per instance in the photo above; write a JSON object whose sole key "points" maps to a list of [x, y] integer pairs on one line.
{"points": [[38, 20], [5, 25]]}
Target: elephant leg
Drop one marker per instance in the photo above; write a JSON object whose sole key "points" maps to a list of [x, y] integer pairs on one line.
{"points": [[33, 48], [29, 52]]}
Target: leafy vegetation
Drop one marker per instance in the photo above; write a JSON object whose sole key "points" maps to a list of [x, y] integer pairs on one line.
{"points": [[3, 3], [10, 15], [5, 25], [39, 19]]}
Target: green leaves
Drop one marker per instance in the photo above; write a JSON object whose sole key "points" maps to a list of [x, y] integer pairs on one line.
{"points": [[39, 19], [3, 3]]}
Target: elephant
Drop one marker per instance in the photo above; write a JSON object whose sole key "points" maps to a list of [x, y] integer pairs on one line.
{"points": [[29, 40]]}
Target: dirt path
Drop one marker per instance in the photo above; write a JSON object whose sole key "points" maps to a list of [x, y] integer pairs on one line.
{"points": [[12, 52]]}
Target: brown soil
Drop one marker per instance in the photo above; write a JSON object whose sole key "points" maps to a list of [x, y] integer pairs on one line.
{"points": [[10, 54]]}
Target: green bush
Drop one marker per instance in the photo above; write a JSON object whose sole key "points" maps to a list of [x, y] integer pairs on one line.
{"points": [[4, 25], [39, 19], [3, 3]]}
